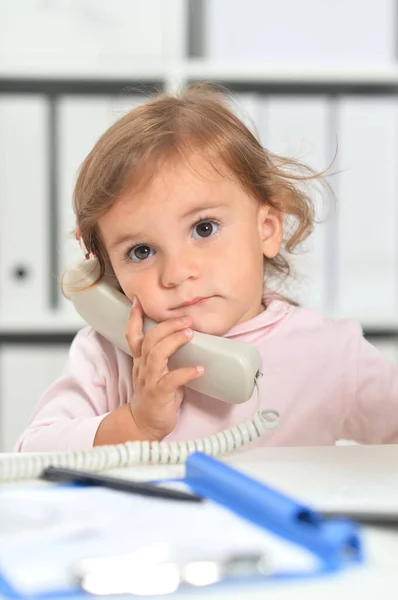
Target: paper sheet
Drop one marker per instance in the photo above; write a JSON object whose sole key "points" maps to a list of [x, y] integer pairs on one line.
{"points": [[45, 531]]}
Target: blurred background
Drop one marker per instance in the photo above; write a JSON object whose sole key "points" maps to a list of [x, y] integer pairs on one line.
{"points": [[311, 77]]}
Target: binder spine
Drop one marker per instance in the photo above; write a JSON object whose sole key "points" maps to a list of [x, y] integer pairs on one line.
{"points": [[333, 541]]}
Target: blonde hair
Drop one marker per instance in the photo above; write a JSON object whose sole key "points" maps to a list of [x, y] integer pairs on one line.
{"points": [[169, 127]]}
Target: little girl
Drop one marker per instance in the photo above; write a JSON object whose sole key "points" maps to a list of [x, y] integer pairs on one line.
{"points": [[182, 203]]}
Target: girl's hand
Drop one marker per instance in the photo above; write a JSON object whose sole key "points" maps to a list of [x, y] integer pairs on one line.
{"points": [[158, 392]]}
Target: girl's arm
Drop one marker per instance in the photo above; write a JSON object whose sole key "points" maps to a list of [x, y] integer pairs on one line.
{"points": [[71, 410]]}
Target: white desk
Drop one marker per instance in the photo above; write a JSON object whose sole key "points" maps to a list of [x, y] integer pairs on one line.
{"points": [[324, 477], [337, 477]]}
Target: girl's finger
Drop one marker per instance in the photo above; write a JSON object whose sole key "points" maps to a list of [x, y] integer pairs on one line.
{"points": [[178, 377], [134, 331], [156, 360], [162, 331]]}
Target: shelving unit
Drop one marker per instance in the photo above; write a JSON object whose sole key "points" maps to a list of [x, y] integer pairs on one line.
{"points": [[254, 78]]}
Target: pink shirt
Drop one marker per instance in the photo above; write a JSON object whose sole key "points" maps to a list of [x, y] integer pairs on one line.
{"points": [[327, 382]]}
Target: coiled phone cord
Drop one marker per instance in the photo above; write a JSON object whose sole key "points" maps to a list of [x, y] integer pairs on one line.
{"points": [[30, 466]]}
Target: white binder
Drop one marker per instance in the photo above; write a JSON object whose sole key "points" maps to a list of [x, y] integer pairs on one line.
{"points": [[249, 108], [368, 209], [82, 120], [293, 34], [297, 127], [19, 395], [72, 37], [24, 205]]}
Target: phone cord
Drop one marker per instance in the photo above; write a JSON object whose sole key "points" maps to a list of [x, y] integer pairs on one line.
{"points": [[30, 466]]}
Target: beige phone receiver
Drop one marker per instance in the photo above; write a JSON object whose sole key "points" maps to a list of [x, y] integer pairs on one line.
{"points": [[231, 366]]}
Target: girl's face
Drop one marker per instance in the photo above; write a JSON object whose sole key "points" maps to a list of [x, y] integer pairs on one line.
{"points": [[192, 243]]}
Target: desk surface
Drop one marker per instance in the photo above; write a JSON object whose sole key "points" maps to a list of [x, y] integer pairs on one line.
{"points": [[325, 477], [337, 477]]}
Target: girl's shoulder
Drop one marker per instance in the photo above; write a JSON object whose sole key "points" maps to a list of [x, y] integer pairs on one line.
{"points": [[311, 322], [90, 346], [300, 317]]}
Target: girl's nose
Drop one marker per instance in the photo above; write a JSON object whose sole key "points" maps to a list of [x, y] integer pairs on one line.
{"points": [[177, 269]]}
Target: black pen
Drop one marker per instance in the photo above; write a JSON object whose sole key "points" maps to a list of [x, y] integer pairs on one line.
{"points": [[369, 518], [64, 475]]}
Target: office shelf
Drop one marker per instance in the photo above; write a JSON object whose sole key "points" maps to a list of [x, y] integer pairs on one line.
{"points": [[201, 69]]}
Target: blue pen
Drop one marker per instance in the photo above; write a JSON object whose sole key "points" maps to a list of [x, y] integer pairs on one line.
{"points": [[332, 540]]}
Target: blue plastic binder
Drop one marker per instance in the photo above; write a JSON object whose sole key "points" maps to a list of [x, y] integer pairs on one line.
{"points": [[336, 543]]}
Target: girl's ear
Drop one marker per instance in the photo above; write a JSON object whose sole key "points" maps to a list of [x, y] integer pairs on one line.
{"points": [[270, 223]]}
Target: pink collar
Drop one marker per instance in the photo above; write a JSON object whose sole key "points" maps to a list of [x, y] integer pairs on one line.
{"points": [[276, 310]]}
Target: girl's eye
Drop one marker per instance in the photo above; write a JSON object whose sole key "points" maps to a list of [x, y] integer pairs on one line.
{"points": [[140, 253], [205, 229]]}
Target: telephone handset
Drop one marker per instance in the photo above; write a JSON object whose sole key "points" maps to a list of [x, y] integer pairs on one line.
{"points": [[231, 366]]}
